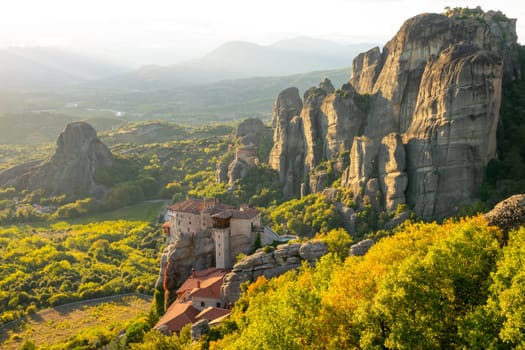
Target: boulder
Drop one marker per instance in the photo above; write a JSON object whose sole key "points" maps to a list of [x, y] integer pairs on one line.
{"points": [[199, 328], [361, 248], [508, 214]]}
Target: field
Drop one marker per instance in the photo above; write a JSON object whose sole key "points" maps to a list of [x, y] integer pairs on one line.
{"points": [[60, 324]]}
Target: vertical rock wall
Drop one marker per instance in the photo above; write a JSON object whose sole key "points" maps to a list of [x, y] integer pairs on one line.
{"points": [[419, 117]]}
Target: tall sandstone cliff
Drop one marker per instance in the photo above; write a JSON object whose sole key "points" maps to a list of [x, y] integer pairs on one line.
{"points": [[418, 118], [71, 169]]}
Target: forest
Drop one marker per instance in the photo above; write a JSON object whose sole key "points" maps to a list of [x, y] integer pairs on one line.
{"points": [[48, 266]]}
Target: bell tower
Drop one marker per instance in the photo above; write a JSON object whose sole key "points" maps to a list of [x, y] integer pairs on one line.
{"points": [[221, 236]]}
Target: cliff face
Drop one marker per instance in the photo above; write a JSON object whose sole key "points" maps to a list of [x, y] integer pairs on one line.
{"points": [[287, 154], [177, 260], [419, 118], [79, 153], [252, 135]]}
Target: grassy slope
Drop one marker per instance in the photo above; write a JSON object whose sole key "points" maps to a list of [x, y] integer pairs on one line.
{"points": [[56, 325], [145, 211]]}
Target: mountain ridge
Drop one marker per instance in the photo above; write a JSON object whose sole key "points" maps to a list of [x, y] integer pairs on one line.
{"points": [[237, 60]]}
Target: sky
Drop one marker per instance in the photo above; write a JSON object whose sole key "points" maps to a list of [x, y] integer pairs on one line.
{"points": [[135, 32]]}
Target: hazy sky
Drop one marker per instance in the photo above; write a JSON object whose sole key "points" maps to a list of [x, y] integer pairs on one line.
{"points": [[167, 31]]}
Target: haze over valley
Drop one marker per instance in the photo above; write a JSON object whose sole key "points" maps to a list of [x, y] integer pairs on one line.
{"points": [[274, 175]]}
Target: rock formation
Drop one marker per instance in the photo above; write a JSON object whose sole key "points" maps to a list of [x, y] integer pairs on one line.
{"points": [[178, 259], [508, 214], [79, 153], [419, 118], [199, 328], [287, 155], [361, 247], [270, 264], [250, 135]]}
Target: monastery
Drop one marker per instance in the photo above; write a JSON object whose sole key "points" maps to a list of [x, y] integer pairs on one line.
{"points": [[233, 231]]}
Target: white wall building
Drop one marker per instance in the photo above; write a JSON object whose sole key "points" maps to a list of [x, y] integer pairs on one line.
{"points": [[233, 230]]}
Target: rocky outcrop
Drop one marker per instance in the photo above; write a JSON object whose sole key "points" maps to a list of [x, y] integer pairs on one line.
{"points": [[508, 214], [178, 259], [419, 117], [199, 328], [270, 264], [344, 118], [324, 128], [251, 136], [453, 132], [245, 159], [250, 131], [365, 69], [361, 247], [79, 153], [392, 176], [287, 154]]}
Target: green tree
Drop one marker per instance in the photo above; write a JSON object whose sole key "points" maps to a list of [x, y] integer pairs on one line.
{"points": [[338, 241]]}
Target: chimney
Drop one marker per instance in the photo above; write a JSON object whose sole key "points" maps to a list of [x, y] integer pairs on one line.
{"points": [[198, 284], [193, 272]]}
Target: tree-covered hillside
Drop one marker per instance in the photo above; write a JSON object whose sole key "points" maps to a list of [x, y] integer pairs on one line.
{"points": [[48, 266], [429, 286]]}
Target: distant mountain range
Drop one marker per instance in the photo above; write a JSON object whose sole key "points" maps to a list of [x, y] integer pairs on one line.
{"points": [[238, 60], [42, 68]]}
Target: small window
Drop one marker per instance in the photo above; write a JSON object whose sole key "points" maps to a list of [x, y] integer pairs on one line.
{"points": [[188, 229], [202, 303], [218, 304]]}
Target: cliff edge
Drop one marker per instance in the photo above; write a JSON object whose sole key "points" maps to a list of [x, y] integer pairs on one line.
{"points": [[417, 119]]}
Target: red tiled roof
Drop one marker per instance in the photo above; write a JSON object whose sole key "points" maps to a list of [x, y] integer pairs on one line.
{"points": [[166, 225], [177, 316], [196, 206], [212, 313], [209, 288], [200, 279]]}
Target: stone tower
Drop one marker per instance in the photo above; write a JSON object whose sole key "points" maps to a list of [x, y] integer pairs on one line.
{"points": [[221, 236]]}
